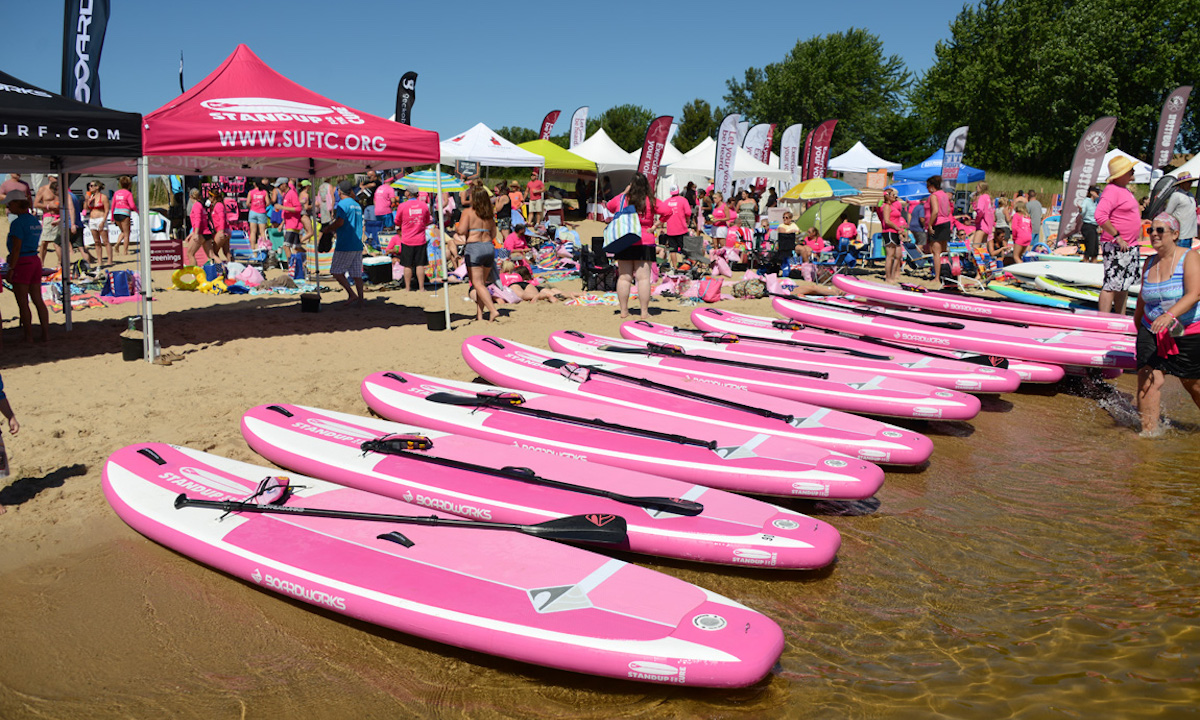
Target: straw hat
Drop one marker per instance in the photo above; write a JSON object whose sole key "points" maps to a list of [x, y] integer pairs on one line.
{"points": [[1119, 166]]}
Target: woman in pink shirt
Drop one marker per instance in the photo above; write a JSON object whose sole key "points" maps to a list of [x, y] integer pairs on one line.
{"points": [[257, 200], [220, 226], [201, 234], [985, 216], [895, 228], [1022, 230], [634, 262], [720, 217], [1119, 218], [123, 206], [939, 223]]}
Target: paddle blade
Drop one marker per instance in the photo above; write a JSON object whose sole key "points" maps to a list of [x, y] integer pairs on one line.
{"points": [[594, 528], [675, 506]]}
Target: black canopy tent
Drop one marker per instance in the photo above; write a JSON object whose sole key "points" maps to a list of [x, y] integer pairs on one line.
{"points": [[41, 131]]}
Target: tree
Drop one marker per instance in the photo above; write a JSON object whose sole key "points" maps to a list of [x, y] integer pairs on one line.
{"points": [[843, 75], [625, 124], [697, 121], [517, 135], [1029, 76]]}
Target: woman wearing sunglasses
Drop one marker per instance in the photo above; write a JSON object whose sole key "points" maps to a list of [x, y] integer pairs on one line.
{"points": [[1168, 324]]}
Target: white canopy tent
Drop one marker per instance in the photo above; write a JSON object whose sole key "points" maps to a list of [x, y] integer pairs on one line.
{"points": [[859, 159], [699, 161], [1143, 174], [607, 155], [482, 145]]}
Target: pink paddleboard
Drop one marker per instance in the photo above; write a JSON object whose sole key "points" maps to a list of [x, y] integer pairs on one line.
{"points": [[1039, 344], [496, 592], [974, 307], [715, 320], [687, 450], [731, 529], [976, 379], [849, 391], [523, 367]]}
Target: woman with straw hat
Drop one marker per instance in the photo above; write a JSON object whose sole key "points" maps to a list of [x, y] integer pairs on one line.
{"points": [[1120, 221]]}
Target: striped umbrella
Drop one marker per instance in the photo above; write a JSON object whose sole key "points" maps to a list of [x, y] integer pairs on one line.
{"points": [[819, 189], [427, 180]]}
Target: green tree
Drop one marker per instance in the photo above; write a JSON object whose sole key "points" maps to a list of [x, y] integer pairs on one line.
{"points": [[1029, 76], [698, 121], [625, 124], [843, 75], [517, 135]]}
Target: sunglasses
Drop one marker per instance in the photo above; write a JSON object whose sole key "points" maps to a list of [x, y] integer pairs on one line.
{"points": [[1156, 231]]}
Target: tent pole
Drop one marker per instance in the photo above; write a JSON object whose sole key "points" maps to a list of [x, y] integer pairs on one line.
{"points": [[64, 243], [144, 259]]}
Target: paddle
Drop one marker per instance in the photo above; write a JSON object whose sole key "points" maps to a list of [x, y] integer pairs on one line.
{"points": [[511, 402], [402, 446], [973, 358], [606, 529], [690, 394], [873, 313], [777, 341], [676, 351]]}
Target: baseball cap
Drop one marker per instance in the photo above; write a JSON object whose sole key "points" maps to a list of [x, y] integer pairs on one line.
{"points": [[14, 196], [346, 187], [280, 181], [411, 188], [674, 189]]}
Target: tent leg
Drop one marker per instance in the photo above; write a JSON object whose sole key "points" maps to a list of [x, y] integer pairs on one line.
{"points": [[442, 237], [144, 260], [64, 242]]}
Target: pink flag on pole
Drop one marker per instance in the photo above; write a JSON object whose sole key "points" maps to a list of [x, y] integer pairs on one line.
{"points": [[548, 124], [822, 137], [652, 148]]}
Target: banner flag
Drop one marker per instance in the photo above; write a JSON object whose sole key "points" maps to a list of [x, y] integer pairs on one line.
{"points": [[789, 155], [823, 135], [1169, 125], [83, 38], [652, 148], [579, 126], [727, 136], [548, 124], [181, 88], [406, 95], [761, 151], [952, 159], [1085, 169], [806, 165]]}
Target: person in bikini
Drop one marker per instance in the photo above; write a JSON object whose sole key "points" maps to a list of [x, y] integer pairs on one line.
{"points": [[96, 204]]}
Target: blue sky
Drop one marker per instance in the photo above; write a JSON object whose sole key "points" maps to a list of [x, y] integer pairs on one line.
{"points": [[497, 63]]}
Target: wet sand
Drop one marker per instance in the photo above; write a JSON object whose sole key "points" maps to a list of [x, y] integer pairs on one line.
{"points": [[1042, 565]]}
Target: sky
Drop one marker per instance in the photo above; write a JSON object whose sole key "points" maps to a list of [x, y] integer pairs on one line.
{"points": [[503, 64]]}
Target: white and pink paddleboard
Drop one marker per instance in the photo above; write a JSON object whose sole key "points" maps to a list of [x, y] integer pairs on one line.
{"points": [[957, 304], [1036, 343], [680, 448], [728, 529], [849, 391], [974, 379], [493, 591], [714, 320], [523, 367]]}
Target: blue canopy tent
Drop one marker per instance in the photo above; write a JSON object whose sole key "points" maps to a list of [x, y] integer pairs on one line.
{"points": [[931, 166]]}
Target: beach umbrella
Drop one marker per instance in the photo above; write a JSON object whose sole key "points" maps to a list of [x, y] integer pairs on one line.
{"points": [[427, 180], [910, 190], [819, 189]]}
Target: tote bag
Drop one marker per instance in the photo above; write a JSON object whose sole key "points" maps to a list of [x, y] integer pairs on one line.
{"points": [[624, 231]]}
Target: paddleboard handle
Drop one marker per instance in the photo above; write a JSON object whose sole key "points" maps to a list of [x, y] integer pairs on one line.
{"points": [[604, 529], [572, 371]]}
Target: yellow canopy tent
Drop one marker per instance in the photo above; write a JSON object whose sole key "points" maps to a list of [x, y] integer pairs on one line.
{"points": [[558, 158]]}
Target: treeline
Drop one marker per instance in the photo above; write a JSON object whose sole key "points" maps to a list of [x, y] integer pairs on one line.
{"points": [[1027, 76]]}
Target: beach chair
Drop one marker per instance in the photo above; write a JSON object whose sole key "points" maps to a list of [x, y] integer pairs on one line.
{"points": [[986, 269], [239, 247], [275, 235], [914, 260], [876, 253]]}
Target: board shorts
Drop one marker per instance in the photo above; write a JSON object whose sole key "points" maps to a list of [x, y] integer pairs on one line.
{"points": [[291, 238], [27, 271], [892, 238], [1121, 267], [674, 243], [49, 231], [257, 218], [533, 206], [941, 232], [637, 252], [120, 214], [347, 262], [480, 254], [412, 256], [1185, 365]]}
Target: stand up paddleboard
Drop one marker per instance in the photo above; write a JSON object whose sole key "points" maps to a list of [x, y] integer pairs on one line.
{"points": [[523, 367], [500, 592], [483, 480], [855, 392], [588, 431]]}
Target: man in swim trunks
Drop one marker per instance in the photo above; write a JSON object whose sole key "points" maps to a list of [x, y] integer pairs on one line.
{"points": [[412, 216], [348, 249]]}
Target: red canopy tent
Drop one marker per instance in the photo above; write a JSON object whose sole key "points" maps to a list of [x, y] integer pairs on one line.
{"points": [[247, 119]]}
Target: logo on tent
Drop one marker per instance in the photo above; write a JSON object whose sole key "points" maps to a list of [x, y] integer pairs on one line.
{"points": [[495, 142], [265, 105]]}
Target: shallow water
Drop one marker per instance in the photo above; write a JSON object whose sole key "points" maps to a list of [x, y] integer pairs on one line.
{"points": [[1042, 566]]}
